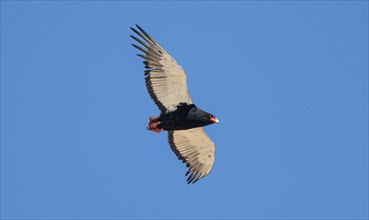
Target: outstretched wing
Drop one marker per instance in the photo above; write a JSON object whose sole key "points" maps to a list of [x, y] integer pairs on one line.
{"points": [[165, 80], [195, 148]]}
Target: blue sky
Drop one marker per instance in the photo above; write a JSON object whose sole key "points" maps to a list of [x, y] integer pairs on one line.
{"points": [[287, 79]]}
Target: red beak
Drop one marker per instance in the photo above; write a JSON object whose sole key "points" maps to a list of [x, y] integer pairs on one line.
{"points": [[214, 120]]}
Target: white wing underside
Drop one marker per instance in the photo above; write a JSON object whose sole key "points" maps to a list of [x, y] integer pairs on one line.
{"points": [[165, 80], [194, 148]]}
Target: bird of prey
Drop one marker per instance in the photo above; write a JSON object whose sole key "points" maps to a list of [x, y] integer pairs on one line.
{"points": [[167, 85]]}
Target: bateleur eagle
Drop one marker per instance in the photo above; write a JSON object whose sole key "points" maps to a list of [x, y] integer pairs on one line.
{"points": [[167, 85]]}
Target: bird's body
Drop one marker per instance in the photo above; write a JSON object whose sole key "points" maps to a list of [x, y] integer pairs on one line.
{"points": [[167, 85], [184, 117]]}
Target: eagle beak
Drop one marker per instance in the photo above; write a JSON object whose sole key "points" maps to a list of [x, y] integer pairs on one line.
{"points": [[214, 120]]}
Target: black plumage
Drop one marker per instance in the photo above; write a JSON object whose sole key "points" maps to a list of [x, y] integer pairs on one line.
{"points": [[184, 117]]}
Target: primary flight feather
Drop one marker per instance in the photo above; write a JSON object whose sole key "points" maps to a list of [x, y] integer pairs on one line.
{"points": [[167, 85]]}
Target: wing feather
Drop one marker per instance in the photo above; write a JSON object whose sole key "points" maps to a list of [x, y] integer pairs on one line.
{"points": [[165, 80], [194, 148]]}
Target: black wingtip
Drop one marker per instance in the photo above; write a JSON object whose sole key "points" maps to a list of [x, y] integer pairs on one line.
{"points": [[188, 172], [141, 29], [197, 179], [139, 48]]}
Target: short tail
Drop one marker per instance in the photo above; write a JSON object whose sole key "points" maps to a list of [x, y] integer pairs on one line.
{"points": [[153, 124]]}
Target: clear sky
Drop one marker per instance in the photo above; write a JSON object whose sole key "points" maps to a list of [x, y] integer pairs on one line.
{"points": [[287, 79]]}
